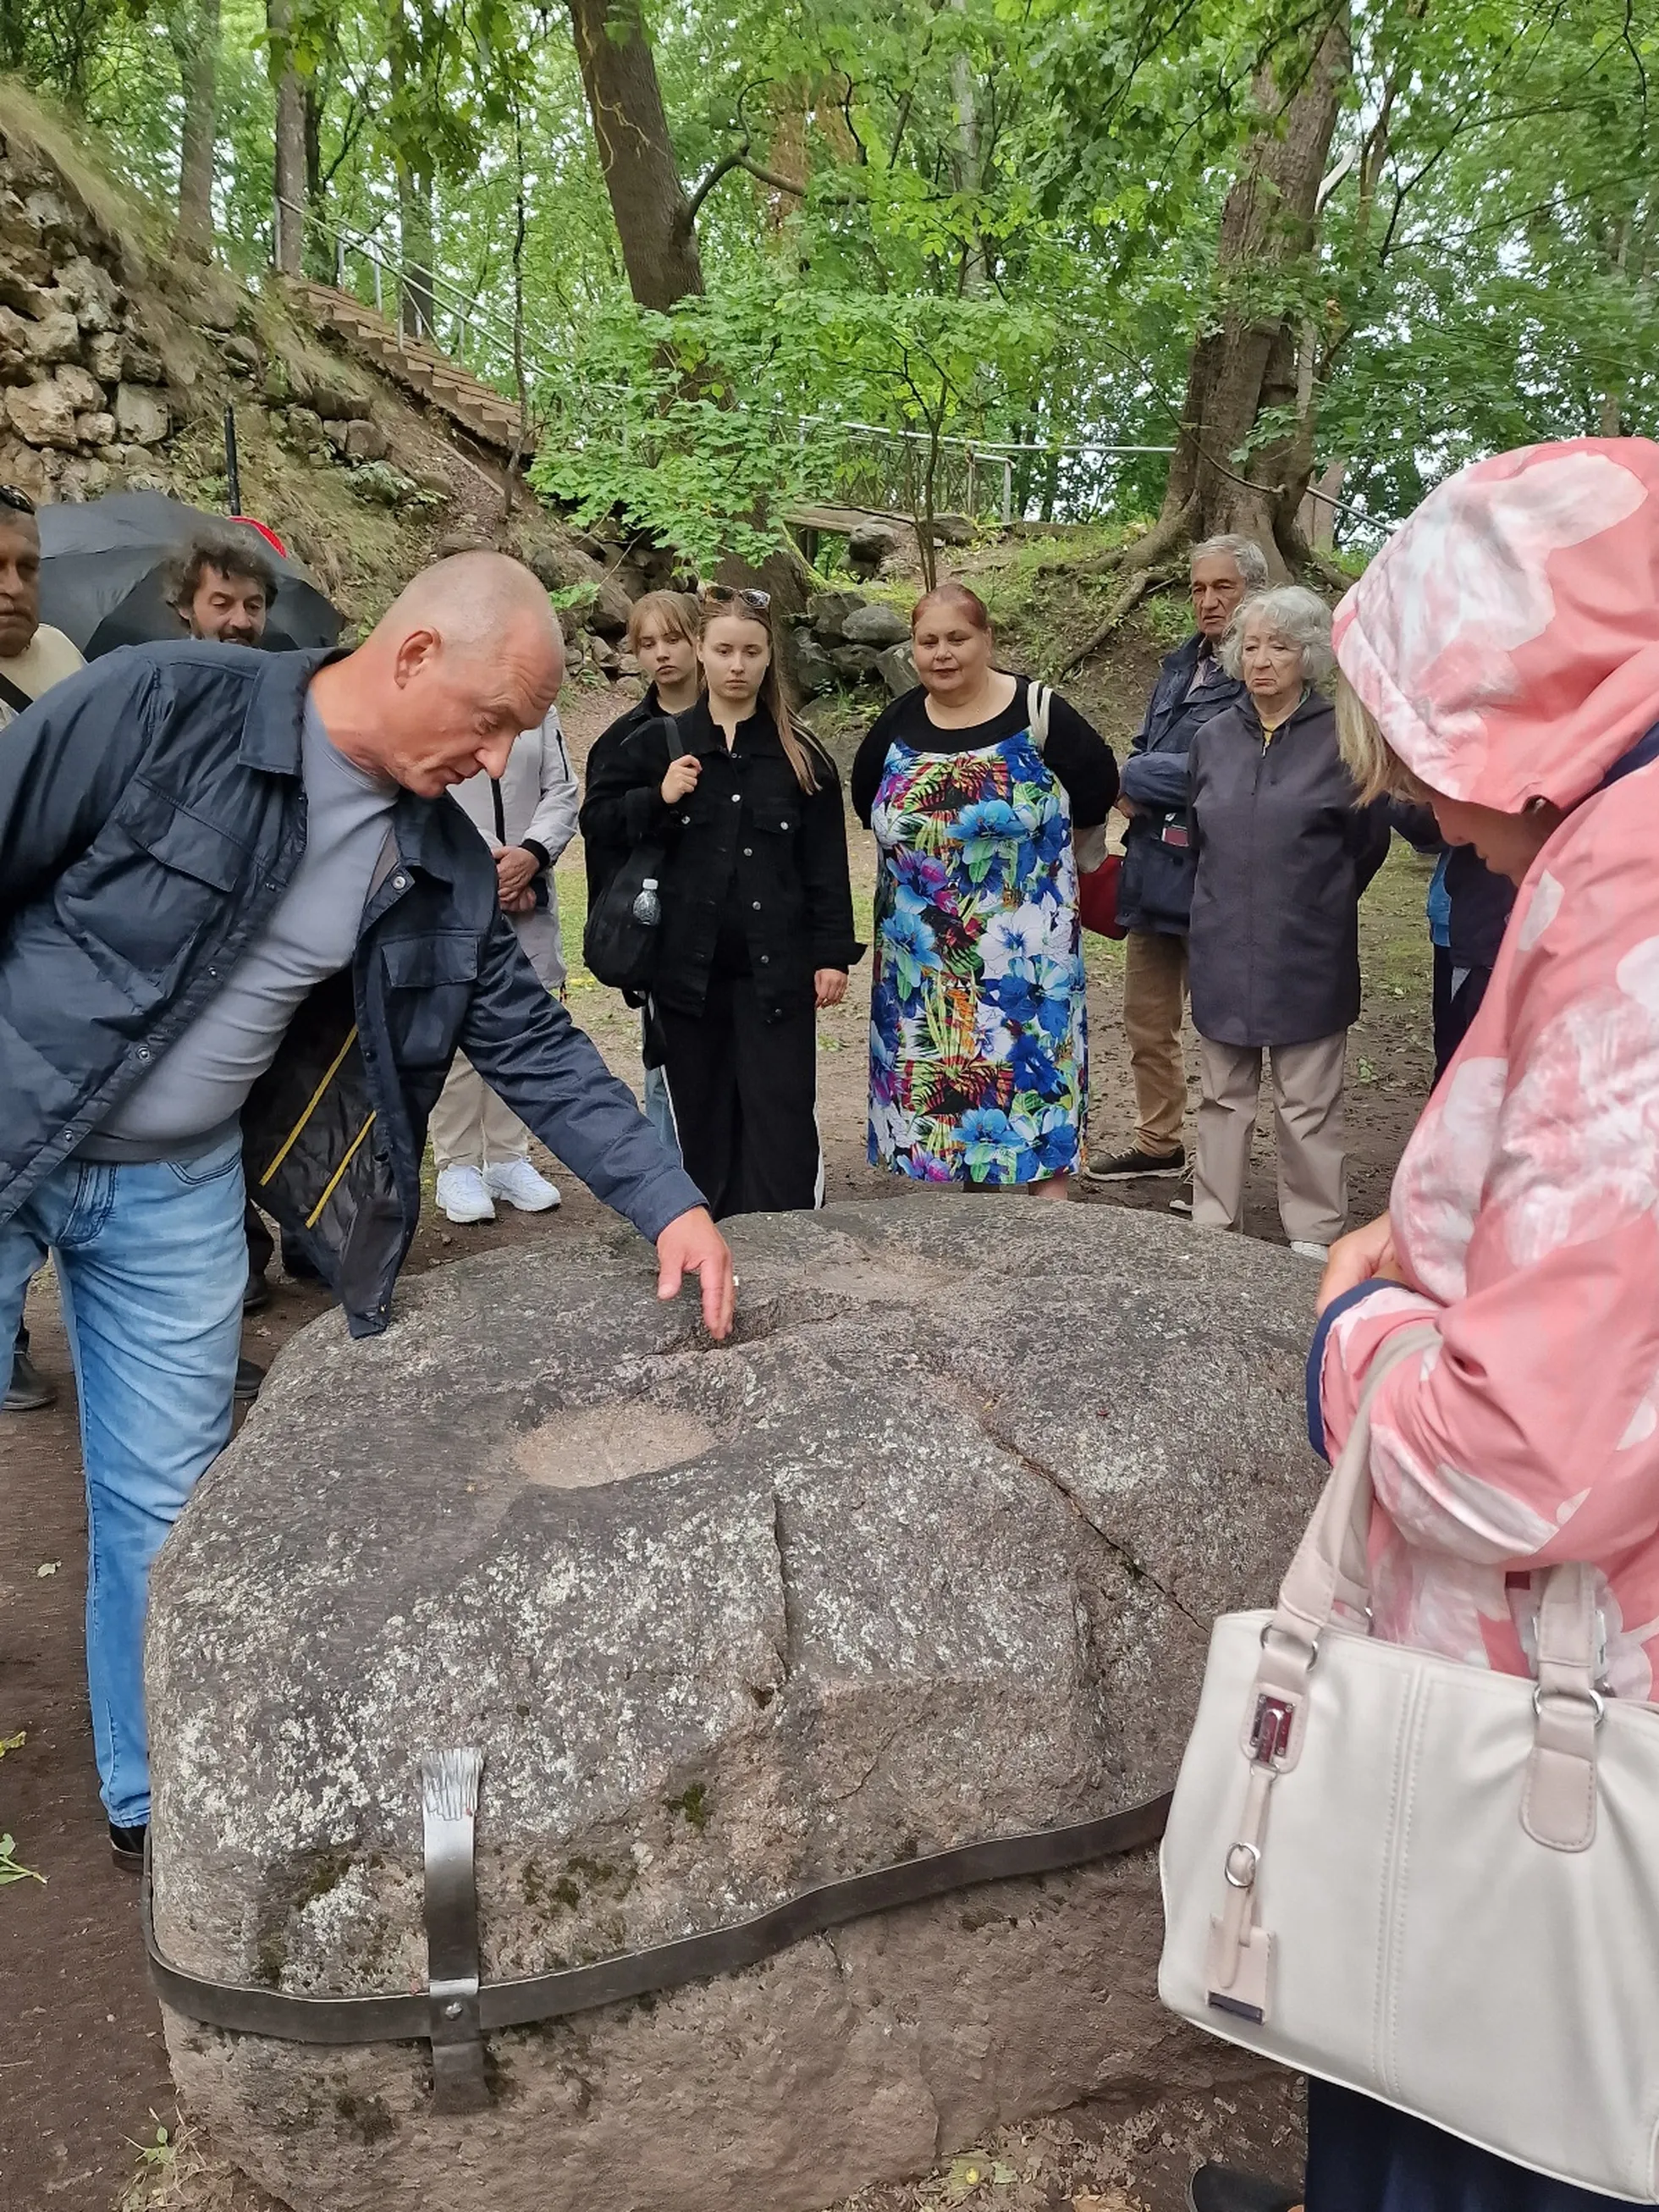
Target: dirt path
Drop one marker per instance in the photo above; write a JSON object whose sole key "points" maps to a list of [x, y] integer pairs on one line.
{"points": [[83, 2072]]}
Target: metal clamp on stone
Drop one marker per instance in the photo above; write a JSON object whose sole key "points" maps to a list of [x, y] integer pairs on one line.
{"points": [[449, 1804], [457, 2010]]}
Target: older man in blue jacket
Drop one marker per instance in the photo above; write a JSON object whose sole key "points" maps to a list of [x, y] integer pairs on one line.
{"points": [[1155, 893], [239, 917]]}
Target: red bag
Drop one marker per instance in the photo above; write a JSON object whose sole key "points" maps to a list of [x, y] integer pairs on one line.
{"points": [[1096, 897]]}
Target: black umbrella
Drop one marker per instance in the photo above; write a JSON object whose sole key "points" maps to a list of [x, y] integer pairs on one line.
{"points": [[103, 563]]}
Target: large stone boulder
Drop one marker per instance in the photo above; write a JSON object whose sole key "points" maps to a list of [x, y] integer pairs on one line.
{"points": [[827, 613], [43, 413], [927, 1554], [898, 669], [872, 545], [140, 416], [811, 672], [878, 625]]}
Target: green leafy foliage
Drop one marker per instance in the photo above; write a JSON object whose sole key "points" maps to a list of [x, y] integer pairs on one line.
{"points": [[990, 224]]}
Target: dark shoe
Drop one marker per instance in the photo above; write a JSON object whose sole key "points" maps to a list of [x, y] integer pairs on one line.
{"points": [[1224, 2188], [1129, 1167], [126, 1848], [249, 1376], [257, 1297], [28, 1389]]}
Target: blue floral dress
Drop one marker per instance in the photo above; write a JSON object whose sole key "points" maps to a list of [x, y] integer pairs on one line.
{"points": [[978, 1024]]}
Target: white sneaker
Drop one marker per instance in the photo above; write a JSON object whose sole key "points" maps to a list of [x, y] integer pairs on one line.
{"points": [[520, 1185], [1320, 1252], [462, 1195]]}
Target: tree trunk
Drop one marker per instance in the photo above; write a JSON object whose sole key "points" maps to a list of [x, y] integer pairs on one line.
{"points": [[321, 255], [1249, 363], [196, 48], [417, 308], [969, 161], [1317, 517], [791, 106], [290, 180], [636, 156], [417, 317]]}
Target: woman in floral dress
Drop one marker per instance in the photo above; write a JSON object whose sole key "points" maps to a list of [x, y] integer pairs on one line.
{"points": [[978, 1028]]}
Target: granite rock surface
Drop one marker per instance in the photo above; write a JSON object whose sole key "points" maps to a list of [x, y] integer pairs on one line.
{"points": [[927, 1554]]}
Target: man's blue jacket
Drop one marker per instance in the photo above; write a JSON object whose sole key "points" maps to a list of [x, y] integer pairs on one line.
{"points": [[1155, 892], [152, 813]]}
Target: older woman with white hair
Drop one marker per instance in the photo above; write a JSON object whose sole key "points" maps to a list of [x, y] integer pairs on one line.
{"points": [[1283, 851]]}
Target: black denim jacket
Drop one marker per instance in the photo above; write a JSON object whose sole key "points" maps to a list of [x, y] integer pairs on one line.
{"points": [[748, 832]]}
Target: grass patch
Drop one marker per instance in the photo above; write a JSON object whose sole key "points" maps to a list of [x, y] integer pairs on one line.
{"points": [[45, 130], [1052, 592], [179, 2171]]}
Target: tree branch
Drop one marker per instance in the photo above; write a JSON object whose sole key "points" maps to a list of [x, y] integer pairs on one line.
{"points": [[738, 159], [722, 169], [1147, 579], [771, 179]]}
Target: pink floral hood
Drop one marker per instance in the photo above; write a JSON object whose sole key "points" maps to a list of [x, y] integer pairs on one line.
{"points": [[1508, 642], [1507, 637]]}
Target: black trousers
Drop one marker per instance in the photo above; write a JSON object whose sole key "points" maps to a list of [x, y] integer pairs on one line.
{"points": [[262, 1247], [744, 1094], [1365, 2157], [1454, 1009]]}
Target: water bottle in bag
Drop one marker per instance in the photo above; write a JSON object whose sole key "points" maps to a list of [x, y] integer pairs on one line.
{"points": [[647, 907]]}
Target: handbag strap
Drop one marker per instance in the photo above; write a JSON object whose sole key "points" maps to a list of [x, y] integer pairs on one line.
{"points": [[1041, 699], [1559, 1806], [1331, 1566], [21, 701], [1330, 1562]]}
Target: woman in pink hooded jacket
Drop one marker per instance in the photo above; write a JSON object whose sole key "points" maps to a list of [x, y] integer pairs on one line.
{"points": [[1501, 659]]}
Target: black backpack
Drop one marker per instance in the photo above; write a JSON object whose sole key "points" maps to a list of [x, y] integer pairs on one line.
{"points": [[618, 948]]}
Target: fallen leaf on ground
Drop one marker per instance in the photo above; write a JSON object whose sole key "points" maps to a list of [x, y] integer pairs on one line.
{"points": [[9, 1869], [48, 1567]]}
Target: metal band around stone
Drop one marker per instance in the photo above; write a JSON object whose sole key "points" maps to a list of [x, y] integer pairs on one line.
{"points": [[292, 2018]]}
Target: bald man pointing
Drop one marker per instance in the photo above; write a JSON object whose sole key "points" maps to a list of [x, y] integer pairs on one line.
{"points": [[239, 919]]}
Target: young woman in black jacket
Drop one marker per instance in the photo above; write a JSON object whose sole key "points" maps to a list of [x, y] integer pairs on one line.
{"points": [[757, 930]]}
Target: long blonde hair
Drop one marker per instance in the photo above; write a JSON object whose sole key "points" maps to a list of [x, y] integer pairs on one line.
{"points": [[800, 747], [1377, 770]]}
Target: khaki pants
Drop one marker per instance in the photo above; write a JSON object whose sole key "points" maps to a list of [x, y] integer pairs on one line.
{"points": [[1312, 1167], [471, 1126], [1154, 995]]}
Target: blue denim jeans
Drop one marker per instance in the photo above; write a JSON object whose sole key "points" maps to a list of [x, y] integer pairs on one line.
{"points": [[151, 1266]]}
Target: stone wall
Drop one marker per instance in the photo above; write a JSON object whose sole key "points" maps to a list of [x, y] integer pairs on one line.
{"points": [[84, 396], [117, 360]]}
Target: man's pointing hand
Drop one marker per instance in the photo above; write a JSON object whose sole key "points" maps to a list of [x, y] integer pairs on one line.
{"points": [[692, 1244]]}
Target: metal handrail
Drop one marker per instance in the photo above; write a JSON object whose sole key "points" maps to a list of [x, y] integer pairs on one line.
{"points": [[549, 368]]}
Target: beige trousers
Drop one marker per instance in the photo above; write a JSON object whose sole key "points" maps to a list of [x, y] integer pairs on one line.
{"points": [[471, 1126], [1312, 1166], [1154, 998]]}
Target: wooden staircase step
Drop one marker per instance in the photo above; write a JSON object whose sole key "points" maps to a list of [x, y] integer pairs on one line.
{"points": [[416, 364]]}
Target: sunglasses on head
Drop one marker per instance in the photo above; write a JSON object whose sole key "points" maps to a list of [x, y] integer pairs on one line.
{"points": [[18, 501], [721, 595]]}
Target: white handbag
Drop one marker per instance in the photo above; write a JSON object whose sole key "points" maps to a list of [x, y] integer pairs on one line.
{"points": [[1433, 1884]]}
